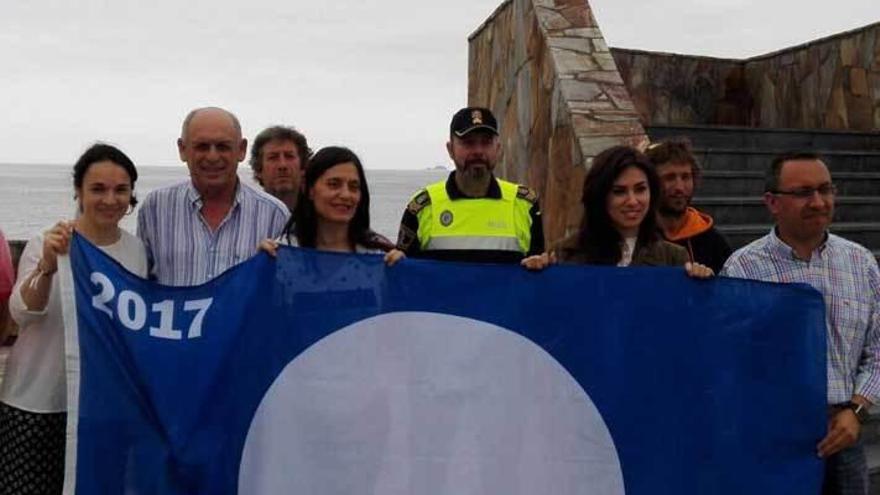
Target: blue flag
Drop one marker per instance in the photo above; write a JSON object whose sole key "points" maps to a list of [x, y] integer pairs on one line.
{"points": [[326, 373]]}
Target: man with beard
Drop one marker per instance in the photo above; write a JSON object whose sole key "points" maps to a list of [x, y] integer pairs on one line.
{"points": [[680, 222], [473, 216], [278, 158], [800, 195]]}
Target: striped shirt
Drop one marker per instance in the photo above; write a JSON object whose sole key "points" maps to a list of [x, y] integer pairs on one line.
{"points": [[848, 277], [183, 250]]}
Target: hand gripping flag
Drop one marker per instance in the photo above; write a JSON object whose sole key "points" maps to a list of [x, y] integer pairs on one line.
{"points": [[325, 373]]}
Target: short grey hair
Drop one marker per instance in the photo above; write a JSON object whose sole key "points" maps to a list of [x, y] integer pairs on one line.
{"points": [[191, 115]]}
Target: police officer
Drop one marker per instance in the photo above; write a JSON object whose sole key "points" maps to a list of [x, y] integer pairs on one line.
{"points": [[473, 216]]}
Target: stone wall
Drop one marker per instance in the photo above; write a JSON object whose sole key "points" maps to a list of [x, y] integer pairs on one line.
{"points": [[545, 70], [684, 90], [831, 83]]}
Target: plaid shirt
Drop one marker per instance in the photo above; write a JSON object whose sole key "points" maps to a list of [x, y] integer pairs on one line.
{"points": [[848, 277]]}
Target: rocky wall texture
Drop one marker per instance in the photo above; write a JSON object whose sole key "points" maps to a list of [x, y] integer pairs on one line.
{"points": [[831, 83], [545, 70], [682, 89]]}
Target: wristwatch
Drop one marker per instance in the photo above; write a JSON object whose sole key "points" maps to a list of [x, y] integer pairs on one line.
{"points": [[860, 410]]}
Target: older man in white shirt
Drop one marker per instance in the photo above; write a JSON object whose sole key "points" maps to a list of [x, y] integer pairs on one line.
{"points": [[197, 229]]}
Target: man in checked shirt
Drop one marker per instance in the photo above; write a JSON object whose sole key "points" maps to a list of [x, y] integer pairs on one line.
{"points": [[800, 195]]}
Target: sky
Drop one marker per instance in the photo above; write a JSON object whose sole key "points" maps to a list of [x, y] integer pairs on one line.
{"points": [[382, 77]]}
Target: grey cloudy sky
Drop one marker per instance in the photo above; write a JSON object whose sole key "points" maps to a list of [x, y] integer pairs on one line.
{"points": [[382, 77]]}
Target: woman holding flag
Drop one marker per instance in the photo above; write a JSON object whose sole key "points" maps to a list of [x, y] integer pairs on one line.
{"points": [[33, 396], [333, 210], [619, 228]]}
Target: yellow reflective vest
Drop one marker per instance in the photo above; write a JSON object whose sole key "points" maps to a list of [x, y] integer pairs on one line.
{"points": [[489, 224]]}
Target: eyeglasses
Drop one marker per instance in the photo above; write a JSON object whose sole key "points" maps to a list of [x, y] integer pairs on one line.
{"points": [[825, 190]]}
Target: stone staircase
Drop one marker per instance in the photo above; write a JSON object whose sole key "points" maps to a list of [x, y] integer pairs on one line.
{"points": [[734, 160]]}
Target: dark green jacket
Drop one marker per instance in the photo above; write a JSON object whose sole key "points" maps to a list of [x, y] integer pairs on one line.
{"points": [[658, 253]]}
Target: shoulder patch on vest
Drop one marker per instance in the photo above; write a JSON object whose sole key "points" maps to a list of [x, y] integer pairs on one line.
{"points": [[419, 202], [527, 193]]}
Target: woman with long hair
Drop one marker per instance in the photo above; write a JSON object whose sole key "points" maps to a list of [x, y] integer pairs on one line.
{"points": [[333, 209], [619, 228], [33, 396]]}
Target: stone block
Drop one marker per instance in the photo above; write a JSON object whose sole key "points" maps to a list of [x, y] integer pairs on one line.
{"points": [[874, 79], [826, 73], [524, 96], [579, 16], [604, 76], [535, 44], [590, 107], [868, 45], [848, 52], [570, 3], [547, 75], [809, 89], [568, 62], [574, 191], [593, 32], [558, 114], [835, 112], [551, 20], [599, 45], [538, 158], [858, 81], [581, 45], [519, 30], [859, 114], [556, 201], [660, 112], [580, 90], [619, 95], [768, 102], [585, 125], [605, 61]]}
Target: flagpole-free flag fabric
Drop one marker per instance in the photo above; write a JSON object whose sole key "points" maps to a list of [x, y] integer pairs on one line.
{"points": [[326, 373]]}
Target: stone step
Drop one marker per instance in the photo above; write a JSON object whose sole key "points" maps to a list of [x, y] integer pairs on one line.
{"points": [[756, 138], [736, 210], [760, 159], [751, 182], [865, 233]]}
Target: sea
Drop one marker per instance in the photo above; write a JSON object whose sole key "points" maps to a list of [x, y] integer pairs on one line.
{"points": [[33, 197]]}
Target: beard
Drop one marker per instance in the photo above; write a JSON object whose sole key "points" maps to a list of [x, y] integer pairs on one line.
{"points": [[473, 177], [476, 170], [475, 173], [673, 209]]}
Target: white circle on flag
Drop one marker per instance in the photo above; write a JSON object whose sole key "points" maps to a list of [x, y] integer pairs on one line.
{"points": [[427, 403]]}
